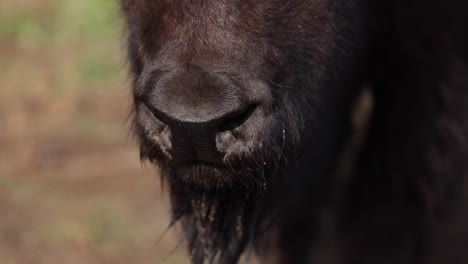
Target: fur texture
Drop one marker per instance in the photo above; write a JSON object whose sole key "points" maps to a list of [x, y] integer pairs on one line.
{"points": [[296, 181]]}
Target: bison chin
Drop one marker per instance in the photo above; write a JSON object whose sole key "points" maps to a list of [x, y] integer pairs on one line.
{"points": [[211, 176], [219, 205]]}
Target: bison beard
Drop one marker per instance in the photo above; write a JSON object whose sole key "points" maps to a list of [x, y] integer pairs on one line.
{"points": [[245, 106]]}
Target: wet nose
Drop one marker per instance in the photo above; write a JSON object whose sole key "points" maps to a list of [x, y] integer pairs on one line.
{"points": [[196, 141]]}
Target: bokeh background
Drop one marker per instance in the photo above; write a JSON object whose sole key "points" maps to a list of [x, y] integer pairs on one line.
{"points": [[72, 189]]}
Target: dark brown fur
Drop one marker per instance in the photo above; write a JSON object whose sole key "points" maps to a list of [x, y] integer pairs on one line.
{"points": [[398, 194], [406, 198]]}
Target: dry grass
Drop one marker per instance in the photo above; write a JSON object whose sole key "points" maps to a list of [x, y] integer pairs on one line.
{"points": [[72, 189]]}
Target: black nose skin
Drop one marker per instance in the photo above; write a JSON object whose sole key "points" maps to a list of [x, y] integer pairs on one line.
{"points": [[192, 142], [196, 141], [196, 104]]}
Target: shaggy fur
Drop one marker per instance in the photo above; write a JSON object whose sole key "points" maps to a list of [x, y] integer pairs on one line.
{"points": [[405, 200], [298, 183]]}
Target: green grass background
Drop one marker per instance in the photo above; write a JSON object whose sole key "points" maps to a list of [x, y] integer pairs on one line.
{"points": [[72, 189]]}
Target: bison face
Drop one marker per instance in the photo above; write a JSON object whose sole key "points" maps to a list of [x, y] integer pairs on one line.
{"points": [[223, 89], [227, 91], [205, 124]]}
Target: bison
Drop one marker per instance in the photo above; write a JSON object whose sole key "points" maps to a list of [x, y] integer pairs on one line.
{"points": [[246, 106]]}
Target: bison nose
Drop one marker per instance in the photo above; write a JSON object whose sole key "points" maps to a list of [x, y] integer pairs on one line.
{"points": [[196, 141]]}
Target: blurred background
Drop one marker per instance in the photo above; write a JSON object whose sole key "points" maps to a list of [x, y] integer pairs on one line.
{"points": [[72, 189]]}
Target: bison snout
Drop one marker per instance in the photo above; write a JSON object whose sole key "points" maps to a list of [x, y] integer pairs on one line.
{"points": [[203, 115], [207, 141]]}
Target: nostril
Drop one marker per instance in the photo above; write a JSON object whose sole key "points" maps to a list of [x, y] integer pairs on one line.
{"points": [[187, 140], [159, 115], [225, 122], [225, 135], [234, 119]]}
